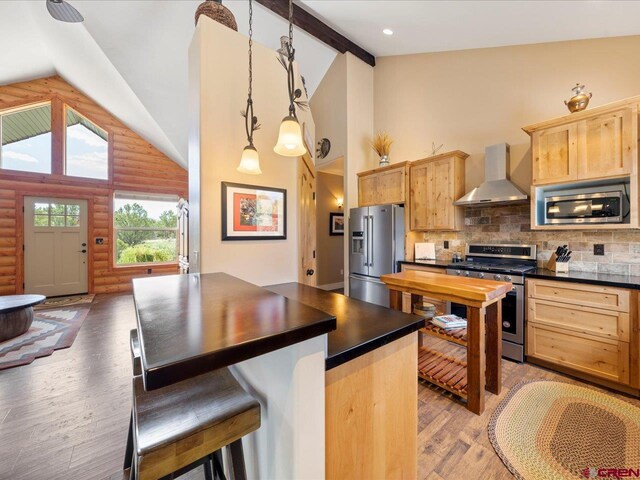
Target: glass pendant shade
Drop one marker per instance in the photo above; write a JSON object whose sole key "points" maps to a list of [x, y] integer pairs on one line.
{"points": [[290, 142], [250, 161]]}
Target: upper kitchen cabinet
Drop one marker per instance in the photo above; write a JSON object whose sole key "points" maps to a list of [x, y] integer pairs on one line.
{"points": [[590, 145], [554, 154], [382, 186], [436, 182]]}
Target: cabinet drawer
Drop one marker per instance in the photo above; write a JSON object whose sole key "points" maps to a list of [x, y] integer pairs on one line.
{"points": [[579, 294], [592, 321], [599, 357]]}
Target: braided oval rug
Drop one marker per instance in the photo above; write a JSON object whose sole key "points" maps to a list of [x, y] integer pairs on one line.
{"points": [[554, 430]]}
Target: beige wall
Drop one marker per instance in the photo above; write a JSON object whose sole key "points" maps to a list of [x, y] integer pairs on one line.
{"points": [[329, 248], [473, 98], [218, 83], [329, 107]]}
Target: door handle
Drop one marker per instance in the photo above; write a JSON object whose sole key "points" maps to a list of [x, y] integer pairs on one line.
{"points": [[371, 240], [82, 251], [310, 272]]}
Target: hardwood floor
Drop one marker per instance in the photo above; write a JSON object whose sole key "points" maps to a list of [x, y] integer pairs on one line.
{"points": [[66, 416]]}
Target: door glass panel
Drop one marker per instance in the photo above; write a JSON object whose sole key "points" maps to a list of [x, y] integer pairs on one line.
{"points": [[73, 209], [57, 209], [41, 209], [41, 220], [73, 221], [57, 220]]}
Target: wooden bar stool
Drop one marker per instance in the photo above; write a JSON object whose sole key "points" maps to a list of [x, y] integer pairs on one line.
{"points": [[177, 428]]}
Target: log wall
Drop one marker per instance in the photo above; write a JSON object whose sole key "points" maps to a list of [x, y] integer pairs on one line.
{"points": [[134, 165]]}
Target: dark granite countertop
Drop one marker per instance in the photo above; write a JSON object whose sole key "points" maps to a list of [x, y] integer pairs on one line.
{"points": [[362, 326], [192, 324], [607, 279], [427, 263]]}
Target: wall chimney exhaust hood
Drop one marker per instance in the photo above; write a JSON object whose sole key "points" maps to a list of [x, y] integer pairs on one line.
{"points": [[497, 188]]}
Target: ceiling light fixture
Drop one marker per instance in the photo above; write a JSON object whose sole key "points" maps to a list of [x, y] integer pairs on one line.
{"points": [[290, 142], [250, 161], [387, 31]]}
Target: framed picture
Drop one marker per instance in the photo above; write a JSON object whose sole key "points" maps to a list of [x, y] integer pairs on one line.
{"points": [[336, 223], [251, 212]]}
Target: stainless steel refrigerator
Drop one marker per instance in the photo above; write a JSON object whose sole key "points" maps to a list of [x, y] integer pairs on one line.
{"points": [[376, 236]]}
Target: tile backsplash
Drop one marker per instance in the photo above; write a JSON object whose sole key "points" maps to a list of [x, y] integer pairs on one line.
{"points": [[511, 224]]}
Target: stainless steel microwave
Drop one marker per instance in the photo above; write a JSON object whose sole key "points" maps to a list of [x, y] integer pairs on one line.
{"points": [[596, 207]]}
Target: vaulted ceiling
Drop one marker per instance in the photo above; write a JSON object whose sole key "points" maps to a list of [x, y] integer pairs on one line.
{"points": [[131, 56]]}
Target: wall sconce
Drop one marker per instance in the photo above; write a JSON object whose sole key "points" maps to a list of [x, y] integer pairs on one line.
{"points": [[340, 202]]}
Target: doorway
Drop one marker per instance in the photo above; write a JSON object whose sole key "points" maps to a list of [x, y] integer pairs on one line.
{"points": [[307, 222], [331, 224], [55, 246]]}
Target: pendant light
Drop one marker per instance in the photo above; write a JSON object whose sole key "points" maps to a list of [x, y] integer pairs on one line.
{"points": [[250, 161], [290, 142]]}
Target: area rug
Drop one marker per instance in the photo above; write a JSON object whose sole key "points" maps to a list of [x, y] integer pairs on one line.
{"points": [[556, 430], [57, 302], [51, 330]]}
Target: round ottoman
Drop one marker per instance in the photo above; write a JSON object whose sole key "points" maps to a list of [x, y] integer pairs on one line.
{"points": [[16, 314]]}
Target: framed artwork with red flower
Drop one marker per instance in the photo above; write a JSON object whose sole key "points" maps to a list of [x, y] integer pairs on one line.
{"points": [[251, 212]]}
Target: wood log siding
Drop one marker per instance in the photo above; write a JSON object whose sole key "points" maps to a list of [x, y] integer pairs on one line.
{"points": [[134, 165]]}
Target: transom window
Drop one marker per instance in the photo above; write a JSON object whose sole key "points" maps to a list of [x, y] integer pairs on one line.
{"points": [[26, 139], [56, 215], [146, 228], [87, 147]]}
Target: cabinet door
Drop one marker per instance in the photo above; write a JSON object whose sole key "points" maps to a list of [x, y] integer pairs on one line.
{"points": [[554, 152], [391, 186], [442, 188], [606, 144], [368, 190], [420, 197]]}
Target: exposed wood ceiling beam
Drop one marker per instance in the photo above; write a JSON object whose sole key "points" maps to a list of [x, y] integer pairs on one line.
{"points": [[319, 29]]}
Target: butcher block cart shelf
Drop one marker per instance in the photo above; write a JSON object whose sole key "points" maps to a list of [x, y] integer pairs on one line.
{"points": [[483, 336]]}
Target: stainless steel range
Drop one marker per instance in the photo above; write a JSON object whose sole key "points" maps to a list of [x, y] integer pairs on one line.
{"points": [[507, 263]]}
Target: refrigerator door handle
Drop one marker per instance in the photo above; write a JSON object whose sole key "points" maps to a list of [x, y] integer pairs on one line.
{"points": [[370, 233], [366, 240]]}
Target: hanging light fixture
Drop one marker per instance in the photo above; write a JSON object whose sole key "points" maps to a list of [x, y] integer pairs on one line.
{"points": [[250, 161], [290, 142]]}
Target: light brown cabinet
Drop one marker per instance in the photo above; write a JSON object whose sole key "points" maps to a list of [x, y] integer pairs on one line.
{"points": [[590, 146], [383, 186], [435, 183], [590, 331]]}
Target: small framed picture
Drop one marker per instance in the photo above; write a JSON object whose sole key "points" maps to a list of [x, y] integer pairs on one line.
{"points": [[251, 212], [336, 223]]}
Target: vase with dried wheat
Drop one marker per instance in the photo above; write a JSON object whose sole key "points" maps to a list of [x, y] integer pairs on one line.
{"points": [[382, 146]]}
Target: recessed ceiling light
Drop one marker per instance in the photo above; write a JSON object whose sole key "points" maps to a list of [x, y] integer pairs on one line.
{"points": [[387, 31]]}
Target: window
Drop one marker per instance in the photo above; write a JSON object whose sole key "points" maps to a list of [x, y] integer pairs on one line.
{"points": [[56, 215], [26, 139], [146, 228], [87, 147]]}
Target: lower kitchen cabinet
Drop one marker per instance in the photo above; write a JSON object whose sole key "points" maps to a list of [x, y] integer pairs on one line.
{"points": [[589, 331]]}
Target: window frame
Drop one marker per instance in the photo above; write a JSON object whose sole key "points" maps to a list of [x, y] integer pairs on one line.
{"points": [[114, 229], [58, 142], [109, 140], [20, 108]]}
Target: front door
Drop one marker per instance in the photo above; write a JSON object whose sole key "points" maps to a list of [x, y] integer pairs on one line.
{"points": [[55, 246]]}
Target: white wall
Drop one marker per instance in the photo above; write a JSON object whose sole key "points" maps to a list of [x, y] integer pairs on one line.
{"points": [[221, 83]]}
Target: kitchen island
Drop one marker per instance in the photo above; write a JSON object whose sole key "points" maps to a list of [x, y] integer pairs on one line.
{"points": [[483, 342], [335, 376]]}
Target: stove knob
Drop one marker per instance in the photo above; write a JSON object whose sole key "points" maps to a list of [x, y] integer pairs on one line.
{"points": [[458, 272], [481, 275], [507, 278], [466, 274], [497, 277]]}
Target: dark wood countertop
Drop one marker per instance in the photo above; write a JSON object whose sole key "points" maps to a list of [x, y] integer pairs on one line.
{"points": [[191, 324], [362, 326]]}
